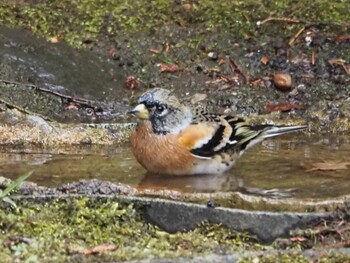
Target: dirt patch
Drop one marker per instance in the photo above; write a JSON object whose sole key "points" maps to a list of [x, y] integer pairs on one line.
{"points": [[194, 49]]}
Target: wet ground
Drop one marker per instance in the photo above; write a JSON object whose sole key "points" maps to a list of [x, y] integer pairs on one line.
{"points": [[298, 165]]}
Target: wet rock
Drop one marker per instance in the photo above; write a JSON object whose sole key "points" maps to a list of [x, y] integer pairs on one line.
{"points": [[93, 187], [36, 121], [46, 74], [176, 216]]}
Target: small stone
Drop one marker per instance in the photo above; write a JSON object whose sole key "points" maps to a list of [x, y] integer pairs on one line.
{"points": [[211, 203], [3, 107], [86, 141], [187, 7], [213, 55], [282, 81]]}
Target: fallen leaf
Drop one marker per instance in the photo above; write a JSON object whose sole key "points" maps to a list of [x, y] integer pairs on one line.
{"points": [[341, 62], [132, 83], [282, 107], [154, 50], [95, 250], [166, 48], [168, 67], [329, 166], [255, 82], [342, 38], [112, 52], [221, 62], [264, 59], [336, 61]]}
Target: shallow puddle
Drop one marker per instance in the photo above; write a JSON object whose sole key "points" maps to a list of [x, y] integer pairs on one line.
{"points": [[294, 165]]}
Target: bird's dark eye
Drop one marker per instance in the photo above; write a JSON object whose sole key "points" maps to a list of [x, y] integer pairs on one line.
{"points": [[160, 108]]}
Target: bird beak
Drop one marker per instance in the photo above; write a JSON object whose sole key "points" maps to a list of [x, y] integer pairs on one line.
{"points": [[140, 112]]}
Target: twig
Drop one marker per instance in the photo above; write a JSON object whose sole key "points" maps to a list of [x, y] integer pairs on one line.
{"points": [[283, 19], [13, 106], [81, 101], [307, 23], [11, 82], [294, 38], [313, 58], [235, 67]]}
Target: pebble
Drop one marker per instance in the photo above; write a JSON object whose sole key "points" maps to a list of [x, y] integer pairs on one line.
{"points": [[213, 55], [282, 81]]}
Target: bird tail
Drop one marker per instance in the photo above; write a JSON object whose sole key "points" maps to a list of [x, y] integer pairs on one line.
{"points": [[251, 135], [271, 131]]}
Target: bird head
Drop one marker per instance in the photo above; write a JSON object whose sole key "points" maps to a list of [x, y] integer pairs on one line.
{"points": [[163, 110]]}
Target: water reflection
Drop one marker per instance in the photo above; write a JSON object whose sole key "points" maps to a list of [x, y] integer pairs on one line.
{"points": [[282, 167]]}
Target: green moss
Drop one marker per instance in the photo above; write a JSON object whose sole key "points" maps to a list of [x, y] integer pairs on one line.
{"points": [[55, 228], [82, 20], [295, 258]]}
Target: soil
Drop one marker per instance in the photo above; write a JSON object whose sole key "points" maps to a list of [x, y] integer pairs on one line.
{"points": [[293, 68]]}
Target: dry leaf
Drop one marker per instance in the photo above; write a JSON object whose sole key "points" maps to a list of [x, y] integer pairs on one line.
{"points": [[168, 67], [112, 52], [282, 107], [95, 250], [154, 50], [221, 62], [329, 166], [264, 59], [132, 83], [255, 82], [340, 62], [342, 38]]}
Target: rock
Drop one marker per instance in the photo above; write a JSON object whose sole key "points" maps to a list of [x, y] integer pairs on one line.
{"points": [[213, 55], [39, 122], [173, 216]]}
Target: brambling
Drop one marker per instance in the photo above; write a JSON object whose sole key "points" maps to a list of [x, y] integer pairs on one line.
{"points": [[171, 138]]}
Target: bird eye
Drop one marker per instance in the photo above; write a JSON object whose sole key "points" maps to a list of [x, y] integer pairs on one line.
{"points": [[159, 108]]}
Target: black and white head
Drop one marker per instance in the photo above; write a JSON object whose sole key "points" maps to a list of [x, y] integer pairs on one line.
{"points": [[163, 110]]}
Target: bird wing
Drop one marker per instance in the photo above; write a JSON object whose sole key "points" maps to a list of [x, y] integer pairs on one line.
{"points": [[210, 134]]}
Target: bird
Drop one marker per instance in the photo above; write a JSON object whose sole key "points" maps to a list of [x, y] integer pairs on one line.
{"points": [[171, 138]]}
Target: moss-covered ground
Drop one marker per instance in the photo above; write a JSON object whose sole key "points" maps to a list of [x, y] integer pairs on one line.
{"points": [[60, 230], [81, 21], [105, 230]]}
